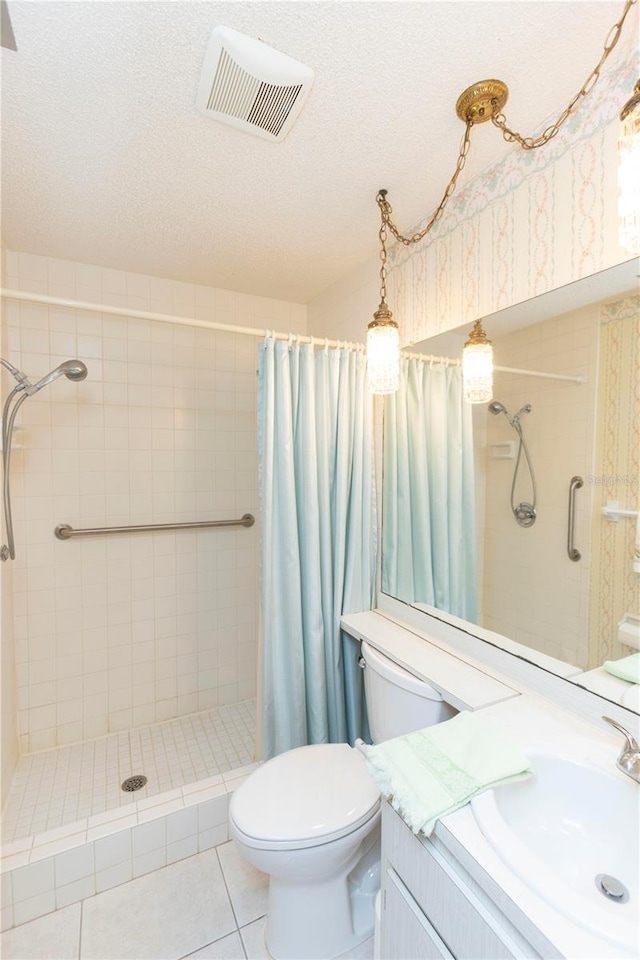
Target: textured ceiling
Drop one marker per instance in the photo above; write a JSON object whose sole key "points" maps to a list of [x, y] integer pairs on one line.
{"points": [[105, 160]]}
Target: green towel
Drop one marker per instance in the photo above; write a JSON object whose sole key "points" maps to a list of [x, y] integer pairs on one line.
{"points": [[434, 771], [627, 669]]}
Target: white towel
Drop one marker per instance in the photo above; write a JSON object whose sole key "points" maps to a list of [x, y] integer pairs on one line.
{"points": [[636, 546]]}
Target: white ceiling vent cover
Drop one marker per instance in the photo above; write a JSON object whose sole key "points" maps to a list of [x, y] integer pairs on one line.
{"points": [[251, 86]]}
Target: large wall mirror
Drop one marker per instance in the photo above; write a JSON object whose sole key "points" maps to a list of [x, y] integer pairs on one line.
{"points": [[518, 519]]}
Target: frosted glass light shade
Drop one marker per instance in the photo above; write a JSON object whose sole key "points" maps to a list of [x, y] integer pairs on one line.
{"points": [[477, 372], [383, 358], [629, 175]]}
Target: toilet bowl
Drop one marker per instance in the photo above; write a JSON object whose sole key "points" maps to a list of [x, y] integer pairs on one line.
{"points": [[310, 819]]}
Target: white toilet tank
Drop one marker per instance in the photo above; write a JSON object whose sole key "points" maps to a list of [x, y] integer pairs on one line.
{"points": [[397, 702]]}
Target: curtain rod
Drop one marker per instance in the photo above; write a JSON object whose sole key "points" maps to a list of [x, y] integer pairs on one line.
{"points": [[45, 300]]}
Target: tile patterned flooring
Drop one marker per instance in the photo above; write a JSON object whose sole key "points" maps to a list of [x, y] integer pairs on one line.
{"points": [[55, 787], [211, 906]]}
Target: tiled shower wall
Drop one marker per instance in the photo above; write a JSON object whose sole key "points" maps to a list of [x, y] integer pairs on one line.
{"points": [[122, 631]]}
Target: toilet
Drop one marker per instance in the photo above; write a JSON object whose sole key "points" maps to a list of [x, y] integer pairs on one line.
{"points": [[309, 818]]}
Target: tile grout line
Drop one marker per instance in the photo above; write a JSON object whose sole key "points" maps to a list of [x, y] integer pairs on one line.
{"points": [[80, 929], [226, 886]]}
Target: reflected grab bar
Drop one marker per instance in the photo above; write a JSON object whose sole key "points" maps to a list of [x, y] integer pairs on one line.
{"points": [[576, 483], [64, 532]]}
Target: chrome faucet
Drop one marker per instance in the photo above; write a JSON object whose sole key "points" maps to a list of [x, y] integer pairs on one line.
{"points": [[629, 759]]}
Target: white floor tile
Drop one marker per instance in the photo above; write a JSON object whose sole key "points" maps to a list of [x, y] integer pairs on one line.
{"points": [[248, 887], [54, 937], [229, 948], [166, 914], [253, 940]]}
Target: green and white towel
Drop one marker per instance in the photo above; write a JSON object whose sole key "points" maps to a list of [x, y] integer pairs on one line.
{"points": [[628, 668], [432, 772]]}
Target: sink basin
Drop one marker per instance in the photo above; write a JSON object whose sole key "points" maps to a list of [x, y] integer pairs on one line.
{"points": [[562, 828]]}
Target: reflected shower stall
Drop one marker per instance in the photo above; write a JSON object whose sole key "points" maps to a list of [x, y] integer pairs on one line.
{"points": [[524, 513]]}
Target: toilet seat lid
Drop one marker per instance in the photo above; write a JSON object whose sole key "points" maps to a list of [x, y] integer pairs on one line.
{"points": [[306, 796]]}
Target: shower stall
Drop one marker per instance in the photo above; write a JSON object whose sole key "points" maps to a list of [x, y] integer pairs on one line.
{"points": [[130, 653]]}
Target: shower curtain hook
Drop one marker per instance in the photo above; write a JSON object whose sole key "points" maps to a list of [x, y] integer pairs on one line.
{"points": [[326, 345]]}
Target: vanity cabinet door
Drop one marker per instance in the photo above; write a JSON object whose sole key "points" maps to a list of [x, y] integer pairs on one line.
{"points": [[456, 909], [406, 932]]}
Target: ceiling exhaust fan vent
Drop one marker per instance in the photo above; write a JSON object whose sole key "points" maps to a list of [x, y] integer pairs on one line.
{"points": [[251, 86]]}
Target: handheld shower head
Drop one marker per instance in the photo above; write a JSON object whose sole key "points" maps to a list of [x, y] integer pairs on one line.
{"points": [[72, 369], [526, 409], [495, 407]]}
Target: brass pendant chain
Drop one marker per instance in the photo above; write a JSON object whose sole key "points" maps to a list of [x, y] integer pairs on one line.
{"points": [[382, 234], [386, 210], [499, 120], [531, 143]]}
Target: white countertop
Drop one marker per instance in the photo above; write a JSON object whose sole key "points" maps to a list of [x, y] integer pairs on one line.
{"points": [[538, 725]]}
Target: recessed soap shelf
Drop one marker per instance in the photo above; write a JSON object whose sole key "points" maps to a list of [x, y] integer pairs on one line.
{"points": [[503, 451]]}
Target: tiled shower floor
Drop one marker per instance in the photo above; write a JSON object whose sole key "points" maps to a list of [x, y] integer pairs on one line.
{"points": [[55, 787]]}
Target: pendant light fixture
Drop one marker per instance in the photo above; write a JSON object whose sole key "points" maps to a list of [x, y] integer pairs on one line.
{"points": [[629, 173], [383, 336], [481, 102], [477, 367]]}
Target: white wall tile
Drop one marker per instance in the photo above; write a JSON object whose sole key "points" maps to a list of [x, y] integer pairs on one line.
{"points": [[159, 430], [76, 891], [148, 862], [34, 907], [33, 880], [74, 864], [213, 837], [114, 876], [181, 824], [180, 849], [113, 850], [213, 813], [148, 837]]}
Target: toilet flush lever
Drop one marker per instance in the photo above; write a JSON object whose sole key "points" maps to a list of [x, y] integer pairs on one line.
{"points": [[362, 662]]}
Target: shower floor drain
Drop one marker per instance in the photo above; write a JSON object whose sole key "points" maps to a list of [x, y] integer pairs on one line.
{"points": [[133, 783]]}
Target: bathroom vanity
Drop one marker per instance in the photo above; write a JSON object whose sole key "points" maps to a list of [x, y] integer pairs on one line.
{"points": [[432, 907], [515, 873]]}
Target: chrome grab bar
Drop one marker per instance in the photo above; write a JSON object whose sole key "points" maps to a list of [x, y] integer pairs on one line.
{"points": [[576, 483], [64, 532]]}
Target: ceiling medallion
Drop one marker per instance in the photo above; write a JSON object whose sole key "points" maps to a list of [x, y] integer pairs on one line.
{"points": [[480, 102]]}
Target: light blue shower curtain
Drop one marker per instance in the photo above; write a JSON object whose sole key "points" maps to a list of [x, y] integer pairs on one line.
{"points": [[317, 489], [428, 510]]}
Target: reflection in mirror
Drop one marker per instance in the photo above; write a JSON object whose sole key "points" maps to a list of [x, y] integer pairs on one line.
{"points": [[493, 513]]}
